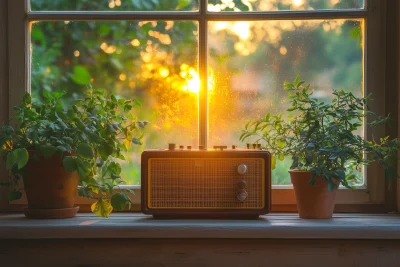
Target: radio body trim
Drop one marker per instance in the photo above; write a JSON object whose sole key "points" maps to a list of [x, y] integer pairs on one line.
{"points": [[239, 213]]}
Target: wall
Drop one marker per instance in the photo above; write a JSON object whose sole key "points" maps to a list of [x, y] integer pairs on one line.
{"points": [[201, 253], [3, 88]]}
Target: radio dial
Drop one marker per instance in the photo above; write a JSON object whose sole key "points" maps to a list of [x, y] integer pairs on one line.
{"points": [[242, 169], [241, 195], [242, 184]]}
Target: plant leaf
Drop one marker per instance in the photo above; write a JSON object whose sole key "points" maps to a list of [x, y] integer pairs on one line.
{"points": [[119, 201], [14, 195], [331, 186], [47, 151], [85, 151], [102, 208], [273, 162], [69, 164], [80, 75], [22, 157], [11, 160]]}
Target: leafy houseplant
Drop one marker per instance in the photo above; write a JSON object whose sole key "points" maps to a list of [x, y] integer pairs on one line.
{"points": [[323, 142], [84, 141]]}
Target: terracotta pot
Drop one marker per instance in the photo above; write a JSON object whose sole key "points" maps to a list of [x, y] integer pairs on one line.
{"points": [[48, 185], [313, 201]]}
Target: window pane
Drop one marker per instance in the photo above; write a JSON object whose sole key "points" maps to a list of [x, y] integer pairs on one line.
{"points": [[115, 5], [249, 62], [280, 5], [155, 62]]}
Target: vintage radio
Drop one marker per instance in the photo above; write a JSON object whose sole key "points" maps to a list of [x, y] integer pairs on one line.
{"points": [[217, 182]]}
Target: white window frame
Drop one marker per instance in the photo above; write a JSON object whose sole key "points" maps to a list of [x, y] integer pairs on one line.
{"points": [[369, 197]]}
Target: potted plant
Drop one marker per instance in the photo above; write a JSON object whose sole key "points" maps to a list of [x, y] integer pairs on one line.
{"points": [[323, 141], [54, 147]]}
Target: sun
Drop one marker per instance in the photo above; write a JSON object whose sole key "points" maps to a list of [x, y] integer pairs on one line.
{"points": [[192, 77], [193, 82]]}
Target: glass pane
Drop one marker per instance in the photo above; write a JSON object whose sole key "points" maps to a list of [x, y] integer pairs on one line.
{"points": [[280, 5], [155, 62], [115, 5], [250, 60]]}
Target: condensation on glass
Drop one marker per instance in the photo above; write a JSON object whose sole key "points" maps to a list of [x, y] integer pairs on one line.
{"points": [[250, 60], [114, 5], [155, 62], [282, 5]]}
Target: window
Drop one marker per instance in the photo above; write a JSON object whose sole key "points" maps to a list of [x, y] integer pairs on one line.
{"points": [[202, 69]]}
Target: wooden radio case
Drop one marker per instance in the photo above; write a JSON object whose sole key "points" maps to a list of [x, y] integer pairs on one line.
{"points": [[206, 183]]}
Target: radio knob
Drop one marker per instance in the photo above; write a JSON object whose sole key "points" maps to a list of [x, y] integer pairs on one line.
{"points": [[242, 184], [171, 146], [241, 195], [242, 169]]}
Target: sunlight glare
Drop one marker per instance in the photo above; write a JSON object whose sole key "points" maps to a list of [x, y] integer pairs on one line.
{"points": [[298, 2], [194, 82]]}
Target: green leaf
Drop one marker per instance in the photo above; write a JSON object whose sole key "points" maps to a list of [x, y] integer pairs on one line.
{"points": [[115, 168], [105, 151], [183, 3], [22, 157], [27, 99], [46, 94], [11, 160], [82, 173], [331, 186], [14, 195], [70, 164], [119, 201], [62, 148], [80, 75], [350, 177], [85, 151], [102, 208], [47, 151], [281, 144], [341, 174], [136, 141], [84, 192], [103, 30]]}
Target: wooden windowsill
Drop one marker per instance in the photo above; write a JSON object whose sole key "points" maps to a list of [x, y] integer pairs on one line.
{"points": [[272, 226]]}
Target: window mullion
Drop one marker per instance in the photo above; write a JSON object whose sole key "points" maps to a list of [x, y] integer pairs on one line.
{"points": [[203, 108]]}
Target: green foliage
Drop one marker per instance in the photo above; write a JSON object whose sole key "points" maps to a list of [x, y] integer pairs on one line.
{"points": [[90, 135], [322, 137], [80, 75]]}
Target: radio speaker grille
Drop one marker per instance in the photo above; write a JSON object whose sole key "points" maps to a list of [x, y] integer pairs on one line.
{"points": [[204, 183]]}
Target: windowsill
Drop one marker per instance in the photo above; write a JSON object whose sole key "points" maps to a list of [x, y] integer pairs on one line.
{"points": [[273, 226]]}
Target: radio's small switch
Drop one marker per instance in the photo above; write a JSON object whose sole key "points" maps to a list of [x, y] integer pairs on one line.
{"points": [[241, 195], [242, 169], [181, 147], [171, 146], [242, 184]]}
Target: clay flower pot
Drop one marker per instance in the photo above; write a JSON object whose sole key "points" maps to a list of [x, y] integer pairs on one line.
{"points": [[313, 201], [50, 189]]}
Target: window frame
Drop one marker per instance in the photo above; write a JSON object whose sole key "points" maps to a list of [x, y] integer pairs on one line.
{"points": [[374, 196]]}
